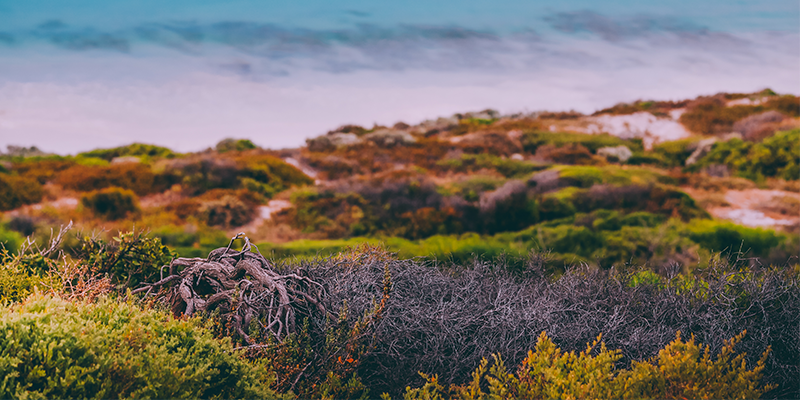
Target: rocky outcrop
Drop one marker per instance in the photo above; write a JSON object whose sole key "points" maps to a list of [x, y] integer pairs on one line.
{"points": [[757, 127], [332, 141], [390, 138]]}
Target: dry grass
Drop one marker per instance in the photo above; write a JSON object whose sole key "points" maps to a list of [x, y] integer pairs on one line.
{"points": [[708, 200]]}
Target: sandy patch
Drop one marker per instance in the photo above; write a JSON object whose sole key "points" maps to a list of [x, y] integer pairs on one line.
{"points": [[265, 214], [302, 167], [68, 203], [746, 207], [643, 125]]}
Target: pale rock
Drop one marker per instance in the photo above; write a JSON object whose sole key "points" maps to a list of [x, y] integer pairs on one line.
{"points": [[622, 153], [126, 160], [701, 148], [390, 138]]}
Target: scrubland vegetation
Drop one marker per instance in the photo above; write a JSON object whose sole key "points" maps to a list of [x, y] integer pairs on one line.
{"points": [[475, 256]]}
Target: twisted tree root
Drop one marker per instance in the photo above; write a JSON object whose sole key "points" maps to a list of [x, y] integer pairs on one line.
{"points": [[243, 287]]}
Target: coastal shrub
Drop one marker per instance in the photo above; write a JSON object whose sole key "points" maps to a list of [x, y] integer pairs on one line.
{"points": [[141, 150], [16, 191], [493, 143], [552, 208], [711, 115], [674, 153], [657, 108], [190, 240], [112, 203], [132, 176], [571, 154], [786, 104], [531, 141], [229, 144], [654, 199], [42, 170], [682, 369], [223, 208], [443, 318], [10, 239], [728, 237], [585, 176], [508, 208], [776, 157], [52, 348], [251, 170], [127, 260], [380, 207], [228, 211], [272, 174], [476, 162]]}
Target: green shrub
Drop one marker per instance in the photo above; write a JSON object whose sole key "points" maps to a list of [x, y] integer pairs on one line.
{"points": [[674, 153], [128, 260], [586, 176], [111, 203], [729, 237], [9, 239], [21, 274], [552, 208], [681, 370], [144, 151], [234, 145], [776, 157], [51, 348]]}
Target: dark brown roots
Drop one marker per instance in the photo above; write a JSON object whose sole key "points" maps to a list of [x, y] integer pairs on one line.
{"points": [[242, 287]]}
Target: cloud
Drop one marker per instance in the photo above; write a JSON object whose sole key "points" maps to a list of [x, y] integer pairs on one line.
{"points": [[7, 38], [657, 30], [61, 35]]}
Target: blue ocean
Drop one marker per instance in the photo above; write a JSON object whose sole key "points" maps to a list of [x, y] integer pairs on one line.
{"points": [[84, 74]]}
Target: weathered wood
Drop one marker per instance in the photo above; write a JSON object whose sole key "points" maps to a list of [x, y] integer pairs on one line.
{"points": [[243, 287]]}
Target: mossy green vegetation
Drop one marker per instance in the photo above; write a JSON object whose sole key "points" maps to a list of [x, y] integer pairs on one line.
{"points": [[52, 348], [775, 157]]}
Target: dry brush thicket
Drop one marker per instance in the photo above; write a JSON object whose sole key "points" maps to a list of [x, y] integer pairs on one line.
{"points": [[444, 320]]}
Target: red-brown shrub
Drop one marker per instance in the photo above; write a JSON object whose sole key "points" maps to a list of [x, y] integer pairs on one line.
{"points": [[136, 177]]}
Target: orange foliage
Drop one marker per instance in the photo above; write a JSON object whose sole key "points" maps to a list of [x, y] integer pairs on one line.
{"points": [[136, 177], [42, 170]]}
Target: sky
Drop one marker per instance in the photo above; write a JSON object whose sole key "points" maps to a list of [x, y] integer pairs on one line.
{"points": [[88, 74]]}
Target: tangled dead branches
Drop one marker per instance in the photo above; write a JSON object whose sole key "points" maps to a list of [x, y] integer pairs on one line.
{"points": [[243, 287]]}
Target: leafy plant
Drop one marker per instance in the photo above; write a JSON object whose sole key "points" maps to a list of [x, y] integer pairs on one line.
{"points": [[681, 370], [128, 260]]}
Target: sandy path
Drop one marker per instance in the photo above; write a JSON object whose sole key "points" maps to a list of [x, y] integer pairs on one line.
{"points": [[747, 207]]}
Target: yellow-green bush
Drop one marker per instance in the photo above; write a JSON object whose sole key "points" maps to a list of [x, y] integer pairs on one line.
{"points": [[683, 369], [51, 348], [21, 274]]}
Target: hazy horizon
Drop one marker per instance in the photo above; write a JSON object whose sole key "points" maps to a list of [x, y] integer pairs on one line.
{"points": [[91, 74]]}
